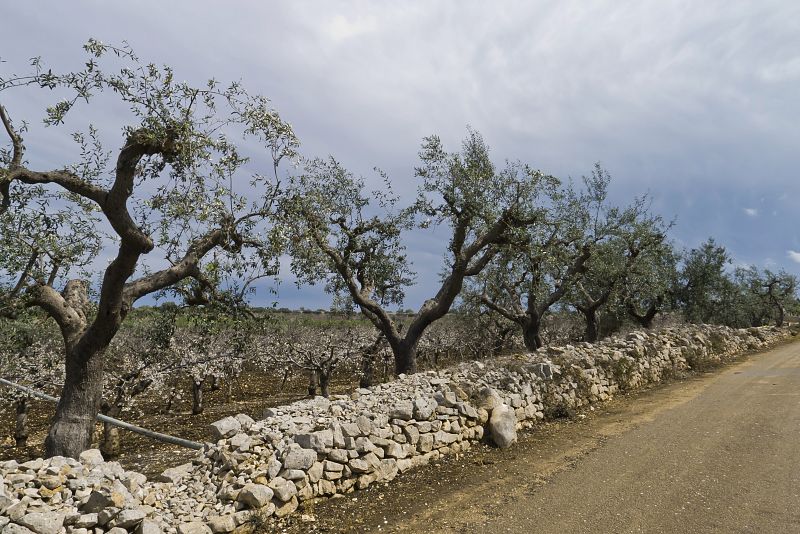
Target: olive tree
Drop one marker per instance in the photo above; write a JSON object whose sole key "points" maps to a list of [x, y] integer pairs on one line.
{"points": [[633, 232], [781, 289], [167, 208], [764, 295], [323, 348], [583, 250], [706, 292], [353, 240], [651, 284], [533, 273]]}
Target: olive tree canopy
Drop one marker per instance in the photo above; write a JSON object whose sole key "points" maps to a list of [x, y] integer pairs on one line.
{"points": [[352, 240], [174, 193]]}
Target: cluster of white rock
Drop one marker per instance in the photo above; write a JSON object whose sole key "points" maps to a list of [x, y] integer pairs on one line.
{"points": [[322, 447], [88, 495]]}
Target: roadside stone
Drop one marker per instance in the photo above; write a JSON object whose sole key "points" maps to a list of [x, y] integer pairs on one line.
{"points": [[395, 450], [221, 524], [365, 426], [315, 472], [245, 421], [255, 495], [106, 515], [148, 526], [194, 527], [86, 521], [16, 510], [338, 455], [320, 441], [128, 519], [43, 522], [283, 489], [488, 399], [293, 474], [299, 458], [91, 458], [425, 443], [502, 426], [359, 466], [175, 474], [423, 408], [224, 428], [284, 509], [333, 466], [543, 370], [350, 430], [241, 441], [32, 465], [103, 498], [402, 410]]}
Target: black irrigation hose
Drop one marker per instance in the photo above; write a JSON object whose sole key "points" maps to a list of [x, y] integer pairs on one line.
{"points": [[116, 422]]}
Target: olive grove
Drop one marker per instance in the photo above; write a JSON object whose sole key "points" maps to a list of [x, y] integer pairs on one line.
{"points": [[197, 192]]}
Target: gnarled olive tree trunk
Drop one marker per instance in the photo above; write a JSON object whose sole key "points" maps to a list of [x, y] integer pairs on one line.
{"points": [[405, 356], [197, 397], [645, 319], [592, 331], [72, 428], [21, 426], [531, 332]]}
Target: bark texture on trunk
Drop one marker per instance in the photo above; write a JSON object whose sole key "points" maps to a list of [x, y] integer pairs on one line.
{"points": [[313, 382], [324, 384], [110, 443], [86, 341], [197, 397], [531, 333], [405, 357], [72, 428], [781, 316], [170, 399], [645, 319], [592, 331], [367, 370], [21, 425]]}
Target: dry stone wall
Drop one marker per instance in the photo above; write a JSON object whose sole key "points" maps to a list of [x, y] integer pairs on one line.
{"points": [[322, 447]]}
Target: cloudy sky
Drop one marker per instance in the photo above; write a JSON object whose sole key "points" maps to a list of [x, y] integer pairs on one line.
{"points": [[695, 103]]}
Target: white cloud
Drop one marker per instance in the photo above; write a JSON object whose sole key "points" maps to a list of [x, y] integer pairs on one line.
{"points": [[751, 212], [341, 28], [781, 71], [794, 256]]}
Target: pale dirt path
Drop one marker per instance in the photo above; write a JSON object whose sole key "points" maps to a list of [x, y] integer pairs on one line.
{"points": [[716, 453]]}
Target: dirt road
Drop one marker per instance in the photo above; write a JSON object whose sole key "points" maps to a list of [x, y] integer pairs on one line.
{"points": [[715, 453]]}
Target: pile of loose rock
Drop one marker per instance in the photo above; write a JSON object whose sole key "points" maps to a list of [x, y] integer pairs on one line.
{"points": [[322, 447], [85, 495]]}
